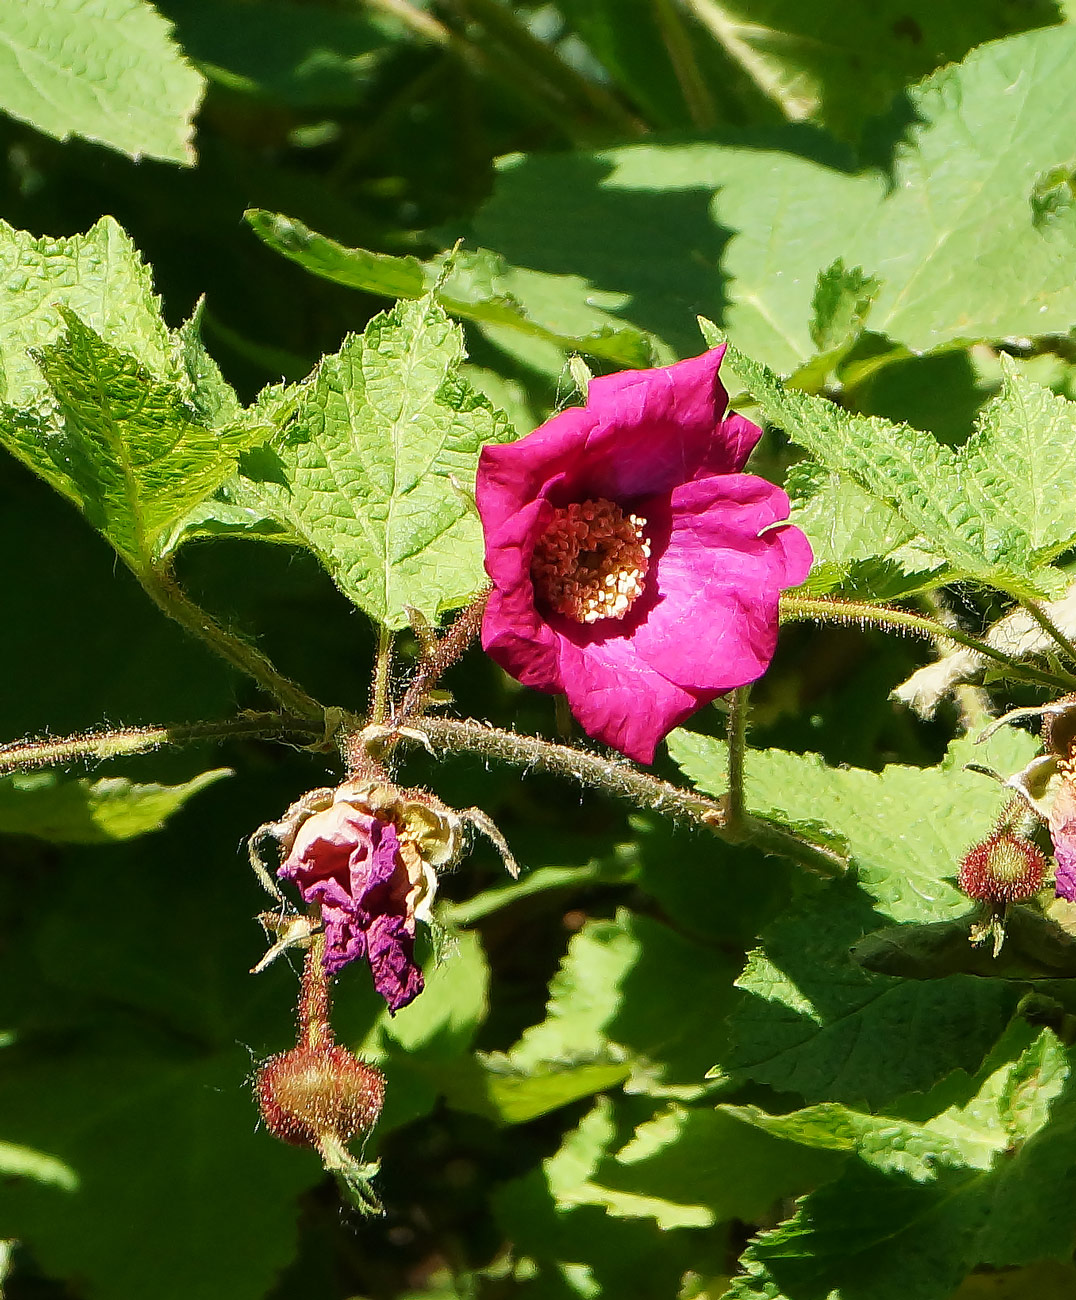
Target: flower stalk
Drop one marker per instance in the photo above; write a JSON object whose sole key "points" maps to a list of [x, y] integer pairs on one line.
{"points": [[824, 609], [166, 593], [622, 780], [95, 746]]}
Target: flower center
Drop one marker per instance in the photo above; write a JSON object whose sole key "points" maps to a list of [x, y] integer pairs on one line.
{"points": [[590, 562]]}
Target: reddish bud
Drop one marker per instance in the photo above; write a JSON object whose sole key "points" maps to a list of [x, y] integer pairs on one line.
{"points": [[313, 1093], [1004, 868]]}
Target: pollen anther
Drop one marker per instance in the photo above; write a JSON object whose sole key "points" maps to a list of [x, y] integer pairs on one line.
{"points": [[591, 561]]}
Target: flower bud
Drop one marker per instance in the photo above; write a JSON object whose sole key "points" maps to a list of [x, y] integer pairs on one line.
{"points": [[311, 1094], [1004, 868]]}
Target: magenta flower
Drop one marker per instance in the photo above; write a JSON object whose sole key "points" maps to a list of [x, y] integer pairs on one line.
{"points": [[369, 884], [1062, 824], [635, 569]]}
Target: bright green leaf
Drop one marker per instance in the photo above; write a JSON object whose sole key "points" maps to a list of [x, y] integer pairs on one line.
{"points": [[906, 827], [478, 286], [925, 1204], [61, 811], [748, 230], [107, 70], [998, 509], [99, 276], [862, 547], [123, 446], [375, 472]]}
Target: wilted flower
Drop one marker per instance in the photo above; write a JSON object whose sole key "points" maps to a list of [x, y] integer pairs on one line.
{"points": [[635, 569], [366, 857]]}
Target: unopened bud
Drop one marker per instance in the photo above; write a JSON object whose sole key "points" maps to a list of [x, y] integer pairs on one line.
{"points": [[311, 1094], [1004, 868]]}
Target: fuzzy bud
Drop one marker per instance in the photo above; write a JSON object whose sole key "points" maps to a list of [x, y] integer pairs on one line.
{"points": [[313, 1093], [1004, 868]]}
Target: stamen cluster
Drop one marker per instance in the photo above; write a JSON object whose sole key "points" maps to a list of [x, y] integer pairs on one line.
{"points": [[591, 561]]}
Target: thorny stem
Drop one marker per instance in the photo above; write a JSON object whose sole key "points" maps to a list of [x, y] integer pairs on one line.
{"points": [[379, 690], [829, 610], [737, 741], [440, 655], [25, 755], [314, 1029], [620, 779], [1050, 628], [169, 597]]}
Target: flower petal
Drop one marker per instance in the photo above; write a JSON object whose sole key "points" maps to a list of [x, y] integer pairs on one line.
{"points": [[718, 580], [1063, 834], [514, 474], [619, 699], [391, 954]]}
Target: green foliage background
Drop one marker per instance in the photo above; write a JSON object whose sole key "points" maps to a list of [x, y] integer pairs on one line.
{"points": [[649, 1067]]}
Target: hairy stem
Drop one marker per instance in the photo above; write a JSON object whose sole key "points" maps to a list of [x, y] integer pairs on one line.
{"points": [[737, 741], [315, 1031], [828, 610], [25, 755], [379, 689], [171, 598], [620, 779], [439, 656]]}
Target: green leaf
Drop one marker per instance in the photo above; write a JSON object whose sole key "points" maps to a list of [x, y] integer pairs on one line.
{"points": [[842, 301], [906, 827], [478, 286], [23, 1162], [999, 509], [748, 228], [813, 1021], [862, 547], [694, 1168], [979, 1184], [812, 66], [633, 990], [99, 276], [298, 54], [108, 71], [122, 445], [61, 811], [579, 1248], [375, 472]]}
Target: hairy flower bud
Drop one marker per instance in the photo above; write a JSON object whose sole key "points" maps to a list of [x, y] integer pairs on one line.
{"points": [[314, 1093], [1004, 868]]}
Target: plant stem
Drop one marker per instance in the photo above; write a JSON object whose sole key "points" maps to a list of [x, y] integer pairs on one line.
{"points": [[170, 598], [25, 755], [693, 87], [828, 610], [737, 742], [517, 79], [1063, 643], [501, 21], [379, 690], [620, 779], [439, 655]]}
